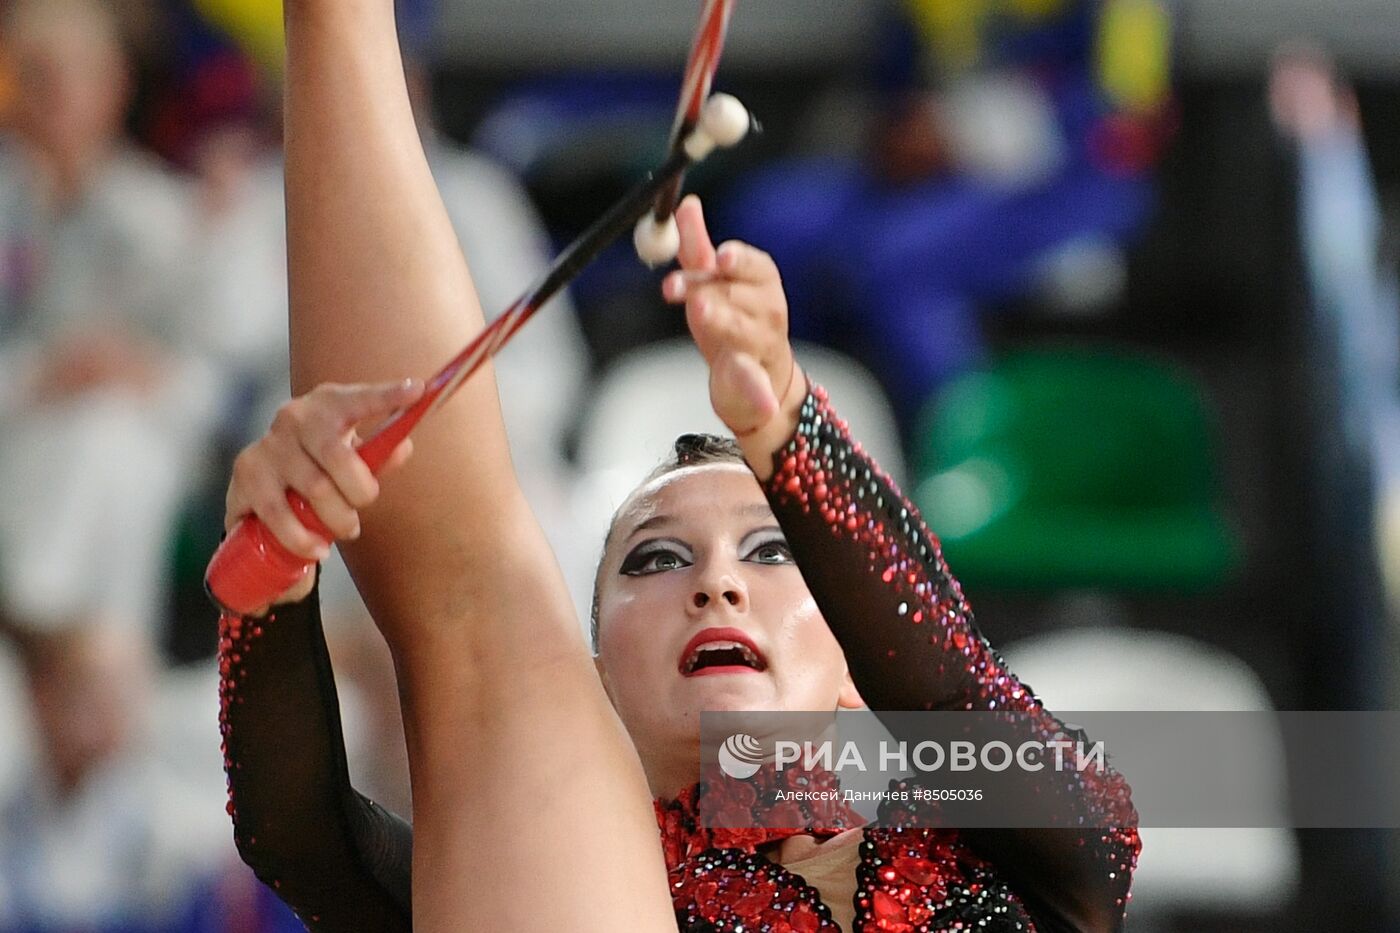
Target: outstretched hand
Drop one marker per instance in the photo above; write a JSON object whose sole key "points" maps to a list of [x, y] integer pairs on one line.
{"points": [[738, 316]]}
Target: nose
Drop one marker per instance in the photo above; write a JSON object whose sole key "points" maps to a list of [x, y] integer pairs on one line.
{"points": [[719, 583]]}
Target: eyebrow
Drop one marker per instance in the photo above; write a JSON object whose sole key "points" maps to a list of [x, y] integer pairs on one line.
{"points": [[754, 510]]}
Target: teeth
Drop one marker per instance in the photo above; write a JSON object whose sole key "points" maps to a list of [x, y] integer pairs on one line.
{"points": [[748, 654]]}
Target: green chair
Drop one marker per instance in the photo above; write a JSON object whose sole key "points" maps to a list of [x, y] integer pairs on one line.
{"points": [[1073, 467]]}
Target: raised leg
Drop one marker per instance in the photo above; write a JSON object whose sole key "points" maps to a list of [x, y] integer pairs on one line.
{"points": [[530, 806]]}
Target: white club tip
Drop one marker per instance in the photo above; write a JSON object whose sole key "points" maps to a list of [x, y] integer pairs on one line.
{"points": [[725, 120], [657, 243]]}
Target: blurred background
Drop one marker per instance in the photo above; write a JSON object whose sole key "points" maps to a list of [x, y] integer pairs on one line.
{"points": [[1107, 285]]}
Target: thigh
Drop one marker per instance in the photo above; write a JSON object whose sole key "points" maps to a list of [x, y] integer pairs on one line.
{"points": [[552, 827]]}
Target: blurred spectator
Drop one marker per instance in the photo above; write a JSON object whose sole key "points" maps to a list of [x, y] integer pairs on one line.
{"points": [[105, 393], [240, 177], [1012, 142], [1352, 283], [100, 837], [1354, 341]]}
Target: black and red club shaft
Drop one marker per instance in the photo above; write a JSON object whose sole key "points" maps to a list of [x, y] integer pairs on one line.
{"points": [[252, 568]]}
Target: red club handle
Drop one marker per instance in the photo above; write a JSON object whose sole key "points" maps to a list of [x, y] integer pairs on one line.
{"points": [[252, 568]]}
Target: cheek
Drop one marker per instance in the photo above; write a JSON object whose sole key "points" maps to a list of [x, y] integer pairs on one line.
{"points": [[814, 666], [630, 639], [813, 648], [821, 648]]}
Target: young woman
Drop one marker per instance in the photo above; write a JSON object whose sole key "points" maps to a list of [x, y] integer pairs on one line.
{"points": [[538, 779]]}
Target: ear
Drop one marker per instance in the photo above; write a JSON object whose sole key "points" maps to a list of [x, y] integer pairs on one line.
{"points": [[849, 697]]}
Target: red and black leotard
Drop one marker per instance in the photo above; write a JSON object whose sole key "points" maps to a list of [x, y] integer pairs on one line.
{"points": [[879, 578]]}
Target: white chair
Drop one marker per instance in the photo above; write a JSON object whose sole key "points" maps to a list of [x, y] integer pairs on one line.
{"points": [[17, 739], [1109, 668]]}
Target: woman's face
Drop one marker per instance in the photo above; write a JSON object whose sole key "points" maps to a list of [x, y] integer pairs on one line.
{"points": [[701, 607]]}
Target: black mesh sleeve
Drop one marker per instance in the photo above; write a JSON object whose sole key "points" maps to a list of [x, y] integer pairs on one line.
{"points": [[879, 577], [335, 857]]}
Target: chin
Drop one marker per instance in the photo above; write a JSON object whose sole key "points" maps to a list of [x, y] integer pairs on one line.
{"points": [[727, 693]]}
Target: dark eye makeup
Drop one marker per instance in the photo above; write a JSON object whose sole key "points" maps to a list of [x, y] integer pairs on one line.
{"points": [[654, 556], [657, 555], [772, 551]]}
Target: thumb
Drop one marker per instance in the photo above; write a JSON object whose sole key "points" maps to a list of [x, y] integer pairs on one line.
{"points": [[742, 393]]}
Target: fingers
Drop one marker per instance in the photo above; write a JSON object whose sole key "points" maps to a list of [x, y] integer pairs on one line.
{"points": [[300, 472], [258, 489], [737, 313], [676, 286], [728, 316], [744, 263], [739, 316], [310, 450], [332, 449], [697, 252], [761, 302], [327, 436]]}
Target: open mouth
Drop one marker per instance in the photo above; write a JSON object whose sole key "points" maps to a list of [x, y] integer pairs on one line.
{"points": [[720, 652]]}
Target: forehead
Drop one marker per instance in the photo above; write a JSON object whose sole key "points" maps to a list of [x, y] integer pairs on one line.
{"points": [[705, 493]]}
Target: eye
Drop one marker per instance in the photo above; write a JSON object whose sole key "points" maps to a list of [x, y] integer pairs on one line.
{"points": [[771, 552], [651, 558]]}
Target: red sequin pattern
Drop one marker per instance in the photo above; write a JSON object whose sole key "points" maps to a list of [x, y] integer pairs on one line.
{"points": [[910, 878], [236, 637]]}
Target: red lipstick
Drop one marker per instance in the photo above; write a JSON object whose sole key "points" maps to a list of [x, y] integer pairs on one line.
{"points": [[721, 651]]}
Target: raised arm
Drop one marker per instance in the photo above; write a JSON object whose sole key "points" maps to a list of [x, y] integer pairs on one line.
{"points": [[335, 857], [909, 638], [878, 575]]}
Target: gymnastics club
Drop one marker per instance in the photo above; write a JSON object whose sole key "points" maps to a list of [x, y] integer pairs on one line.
{"points": [[251, 567]]}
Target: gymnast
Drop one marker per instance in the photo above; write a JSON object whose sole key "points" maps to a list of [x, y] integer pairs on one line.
{"points": [[554, 789]]}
